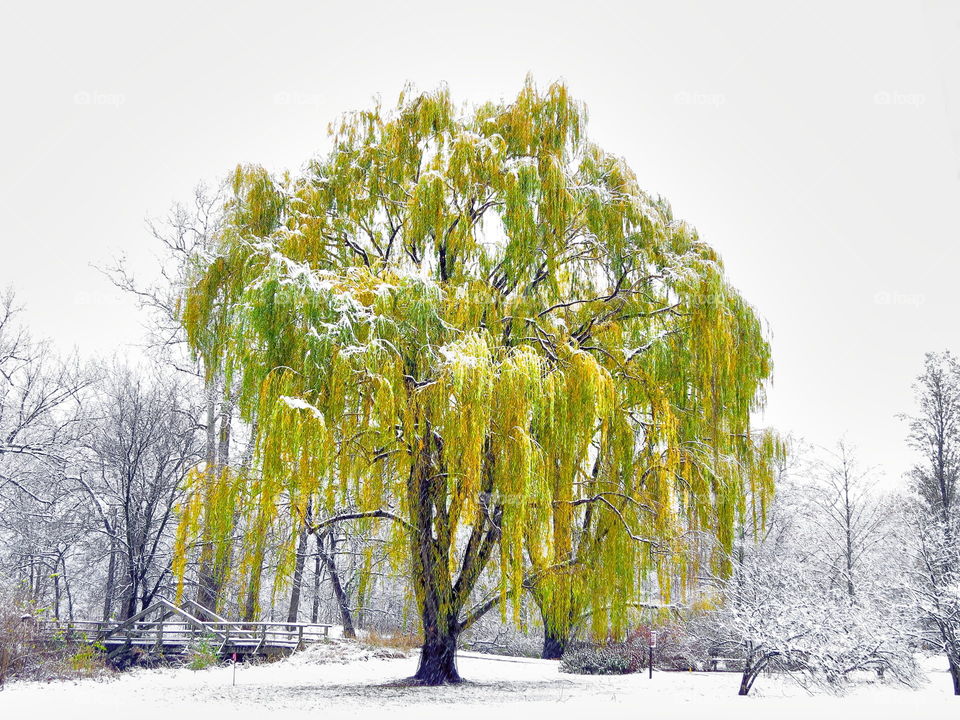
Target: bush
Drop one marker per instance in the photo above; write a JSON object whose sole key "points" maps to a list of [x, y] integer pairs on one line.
{"points": [[612, 658], [201, 654], [17, 644], [674, 650], [26, 653], [88, 659], [675, 647]]}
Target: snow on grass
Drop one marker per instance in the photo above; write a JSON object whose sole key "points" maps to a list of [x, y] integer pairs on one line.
{"points": [[342, 679]]}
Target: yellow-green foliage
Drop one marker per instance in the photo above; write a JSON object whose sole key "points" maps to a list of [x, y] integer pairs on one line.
{"points": [[475, 319]]}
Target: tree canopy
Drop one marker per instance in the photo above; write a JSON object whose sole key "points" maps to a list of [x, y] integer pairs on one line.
{"points": [[471, 323]]}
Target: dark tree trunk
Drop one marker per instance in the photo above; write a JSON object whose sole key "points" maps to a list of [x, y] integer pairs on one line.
{"points": [[66, 588], [553, 645], [315, 612], [343, 602], [129, 604], [294, 611], [206, 592], [441, 598], [111, 568], [955, 673], [438, 656], [249, 611], [56, 593], [753, 664], [555, 638], [439, 606]]}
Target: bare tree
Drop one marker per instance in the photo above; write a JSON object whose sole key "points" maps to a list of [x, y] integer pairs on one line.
{"points": [[186, 235], [783, 607], [39, 407], [934, 580], [933, 585], [850, 518], [934, 432], [142, 445], [41, 410]]}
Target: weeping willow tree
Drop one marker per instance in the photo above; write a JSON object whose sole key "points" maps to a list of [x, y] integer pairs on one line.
{"points": [[472, 325]]}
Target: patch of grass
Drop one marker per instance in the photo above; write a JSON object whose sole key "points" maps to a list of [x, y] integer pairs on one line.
{"points": [[405, 641]]}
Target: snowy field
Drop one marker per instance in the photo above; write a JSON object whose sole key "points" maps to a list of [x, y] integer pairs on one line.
{"points": [[331, 682]]}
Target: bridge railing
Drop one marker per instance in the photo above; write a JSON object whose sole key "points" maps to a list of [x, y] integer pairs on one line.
{"points": [[175, 627]]}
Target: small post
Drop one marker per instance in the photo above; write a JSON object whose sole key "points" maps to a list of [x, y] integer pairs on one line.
{"points": [[234, 669], [653, 644]]}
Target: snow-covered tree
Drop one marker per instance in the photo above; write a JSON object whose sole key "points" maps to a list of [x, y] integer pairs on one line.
{"points": [[778, 615], [848, 518], [794, 604], [933, 586], [41, 408], [933, 519]]}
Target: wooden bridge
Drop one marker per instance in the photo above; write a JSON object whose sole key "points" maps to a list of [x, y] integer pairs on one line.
{"points": [[168, 629]]}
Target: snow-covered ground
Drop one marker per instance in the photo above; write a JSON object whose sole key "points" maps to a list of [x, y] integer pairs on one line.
{"points": [[347, 681]]}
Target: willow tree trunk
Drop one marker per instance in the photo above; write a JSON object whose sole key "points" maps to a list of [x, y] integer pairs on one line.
{"points": [[220, 558], [442, 595], [430, 548], [558, 619], [554, 644], [438, 656]]}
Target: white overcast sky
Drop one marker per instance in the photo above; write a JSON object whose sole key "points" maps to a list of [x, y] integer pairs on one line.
{"points": [[814, 144]]}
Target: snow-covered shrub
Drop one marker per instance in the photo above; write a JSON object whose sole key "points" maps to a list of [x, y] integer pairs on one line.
{"points": [[673, 647], [16, 643], [777, 613], [612, 658]]}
